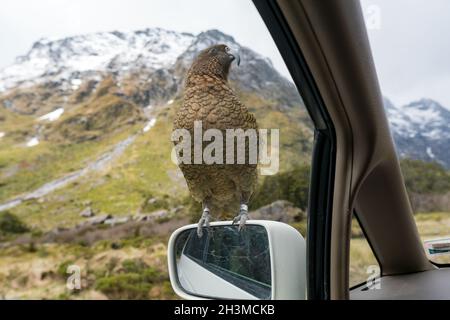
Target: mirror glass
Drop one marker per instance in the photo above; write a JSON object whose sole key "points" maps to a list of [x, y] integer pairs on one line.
{"points": [[224, 263]]}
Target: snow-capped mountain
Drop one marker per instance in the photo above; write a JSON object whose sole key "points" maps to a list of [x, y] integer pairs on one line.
{"points": [[155, 58], [77, 57], [421, 130], [147, 68]]}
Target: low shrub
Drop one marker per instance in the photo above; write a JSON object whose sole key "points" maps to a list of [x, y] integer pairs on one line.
{"points": [[10, 224], [134, 281]]}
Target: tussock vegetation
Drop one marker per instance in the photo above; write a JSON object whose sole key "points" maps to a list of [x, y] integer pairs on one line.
{"points": [[428, 185], [10, 225], [133, 268], [97, 118], [424, 177], [134, 280]]}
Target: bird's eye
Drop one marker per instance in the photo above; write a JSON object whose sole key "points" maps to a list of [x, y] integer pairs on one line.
{"points": [[227, 49]]}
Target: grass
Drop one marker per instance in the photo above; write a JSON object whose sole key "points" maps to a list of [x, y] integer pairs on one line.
{"points": [[144, 170], [135, 268], [83, 132], [135, 271], [134, 280], [48, 161], [361, 259], [14, 125], [56, 162], [132, 268], [95, 119]]}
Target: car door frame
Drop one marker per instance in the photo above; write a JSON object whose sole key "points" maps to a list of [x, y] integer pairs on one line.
{"points": [[327, 51], [324, 153]]}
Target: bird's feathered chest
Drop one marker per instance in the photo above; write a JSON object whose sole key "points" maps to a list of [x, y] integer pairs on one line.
{"points": [[213, 102]]}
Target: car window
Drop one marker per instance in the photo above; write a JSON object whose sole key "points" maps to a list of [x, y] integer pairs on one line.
{"points": [[412, 63], [364, 268], [89, 191]]}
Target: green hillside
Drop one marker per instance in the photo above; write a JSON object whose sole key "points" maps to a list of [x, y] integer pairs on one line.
{"points": [[126, 172], [141, 172]]}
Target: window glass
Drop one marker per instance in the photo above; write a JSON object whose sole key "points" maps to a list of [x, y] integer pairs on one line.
{"points": [[410, 49], [364, 267], [89, 194]]}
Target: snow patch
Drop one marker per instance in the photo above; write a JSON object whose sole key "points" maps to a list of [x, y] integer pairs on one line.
{"points": [[434, 134], [149, 125], [76, 82], [52, 116], [33, 142], [423, 115], [430, 153]]}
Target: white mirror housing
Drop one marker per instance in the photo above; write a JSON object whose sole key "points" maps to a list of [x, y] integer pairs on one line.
{"points": [[287, 249]]}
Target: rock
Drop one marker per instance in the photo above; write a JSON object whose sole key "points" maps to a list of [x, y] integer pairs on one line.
{"points": [[159, 214], [280, 210], [87, 213], [98, 220], [119, 220], [176, 209], [58, 230], [153, 204], [141, 217]]}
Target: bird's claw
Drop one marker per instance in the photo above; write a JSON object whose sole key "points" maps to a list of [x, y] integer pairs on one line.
{"points": [[242, 217], [204, 221]]}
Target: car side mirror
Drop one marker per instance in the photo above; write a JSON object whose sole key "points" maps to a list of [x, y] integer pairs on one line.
{"points": [[266, 260]]}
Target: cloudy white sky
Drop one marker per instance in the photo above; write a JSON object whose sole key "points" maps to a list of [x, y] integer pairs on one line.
{"points": [[24, 21], [411, 46]]}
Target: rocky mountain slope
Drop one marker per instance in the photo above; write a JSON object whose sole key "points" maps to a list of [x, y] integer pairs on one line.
{"points": [[421, 130], [84, 116], [147, 66]]}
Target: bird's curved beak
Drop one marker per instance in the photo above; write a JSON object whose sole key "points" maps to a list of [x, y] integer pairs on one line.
{"points": [[238, 59], [235, 56]]}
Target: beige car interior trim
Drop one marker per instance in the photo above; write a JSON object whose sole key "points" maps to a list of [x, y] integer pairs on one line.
{"points": [[332, 36]]}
